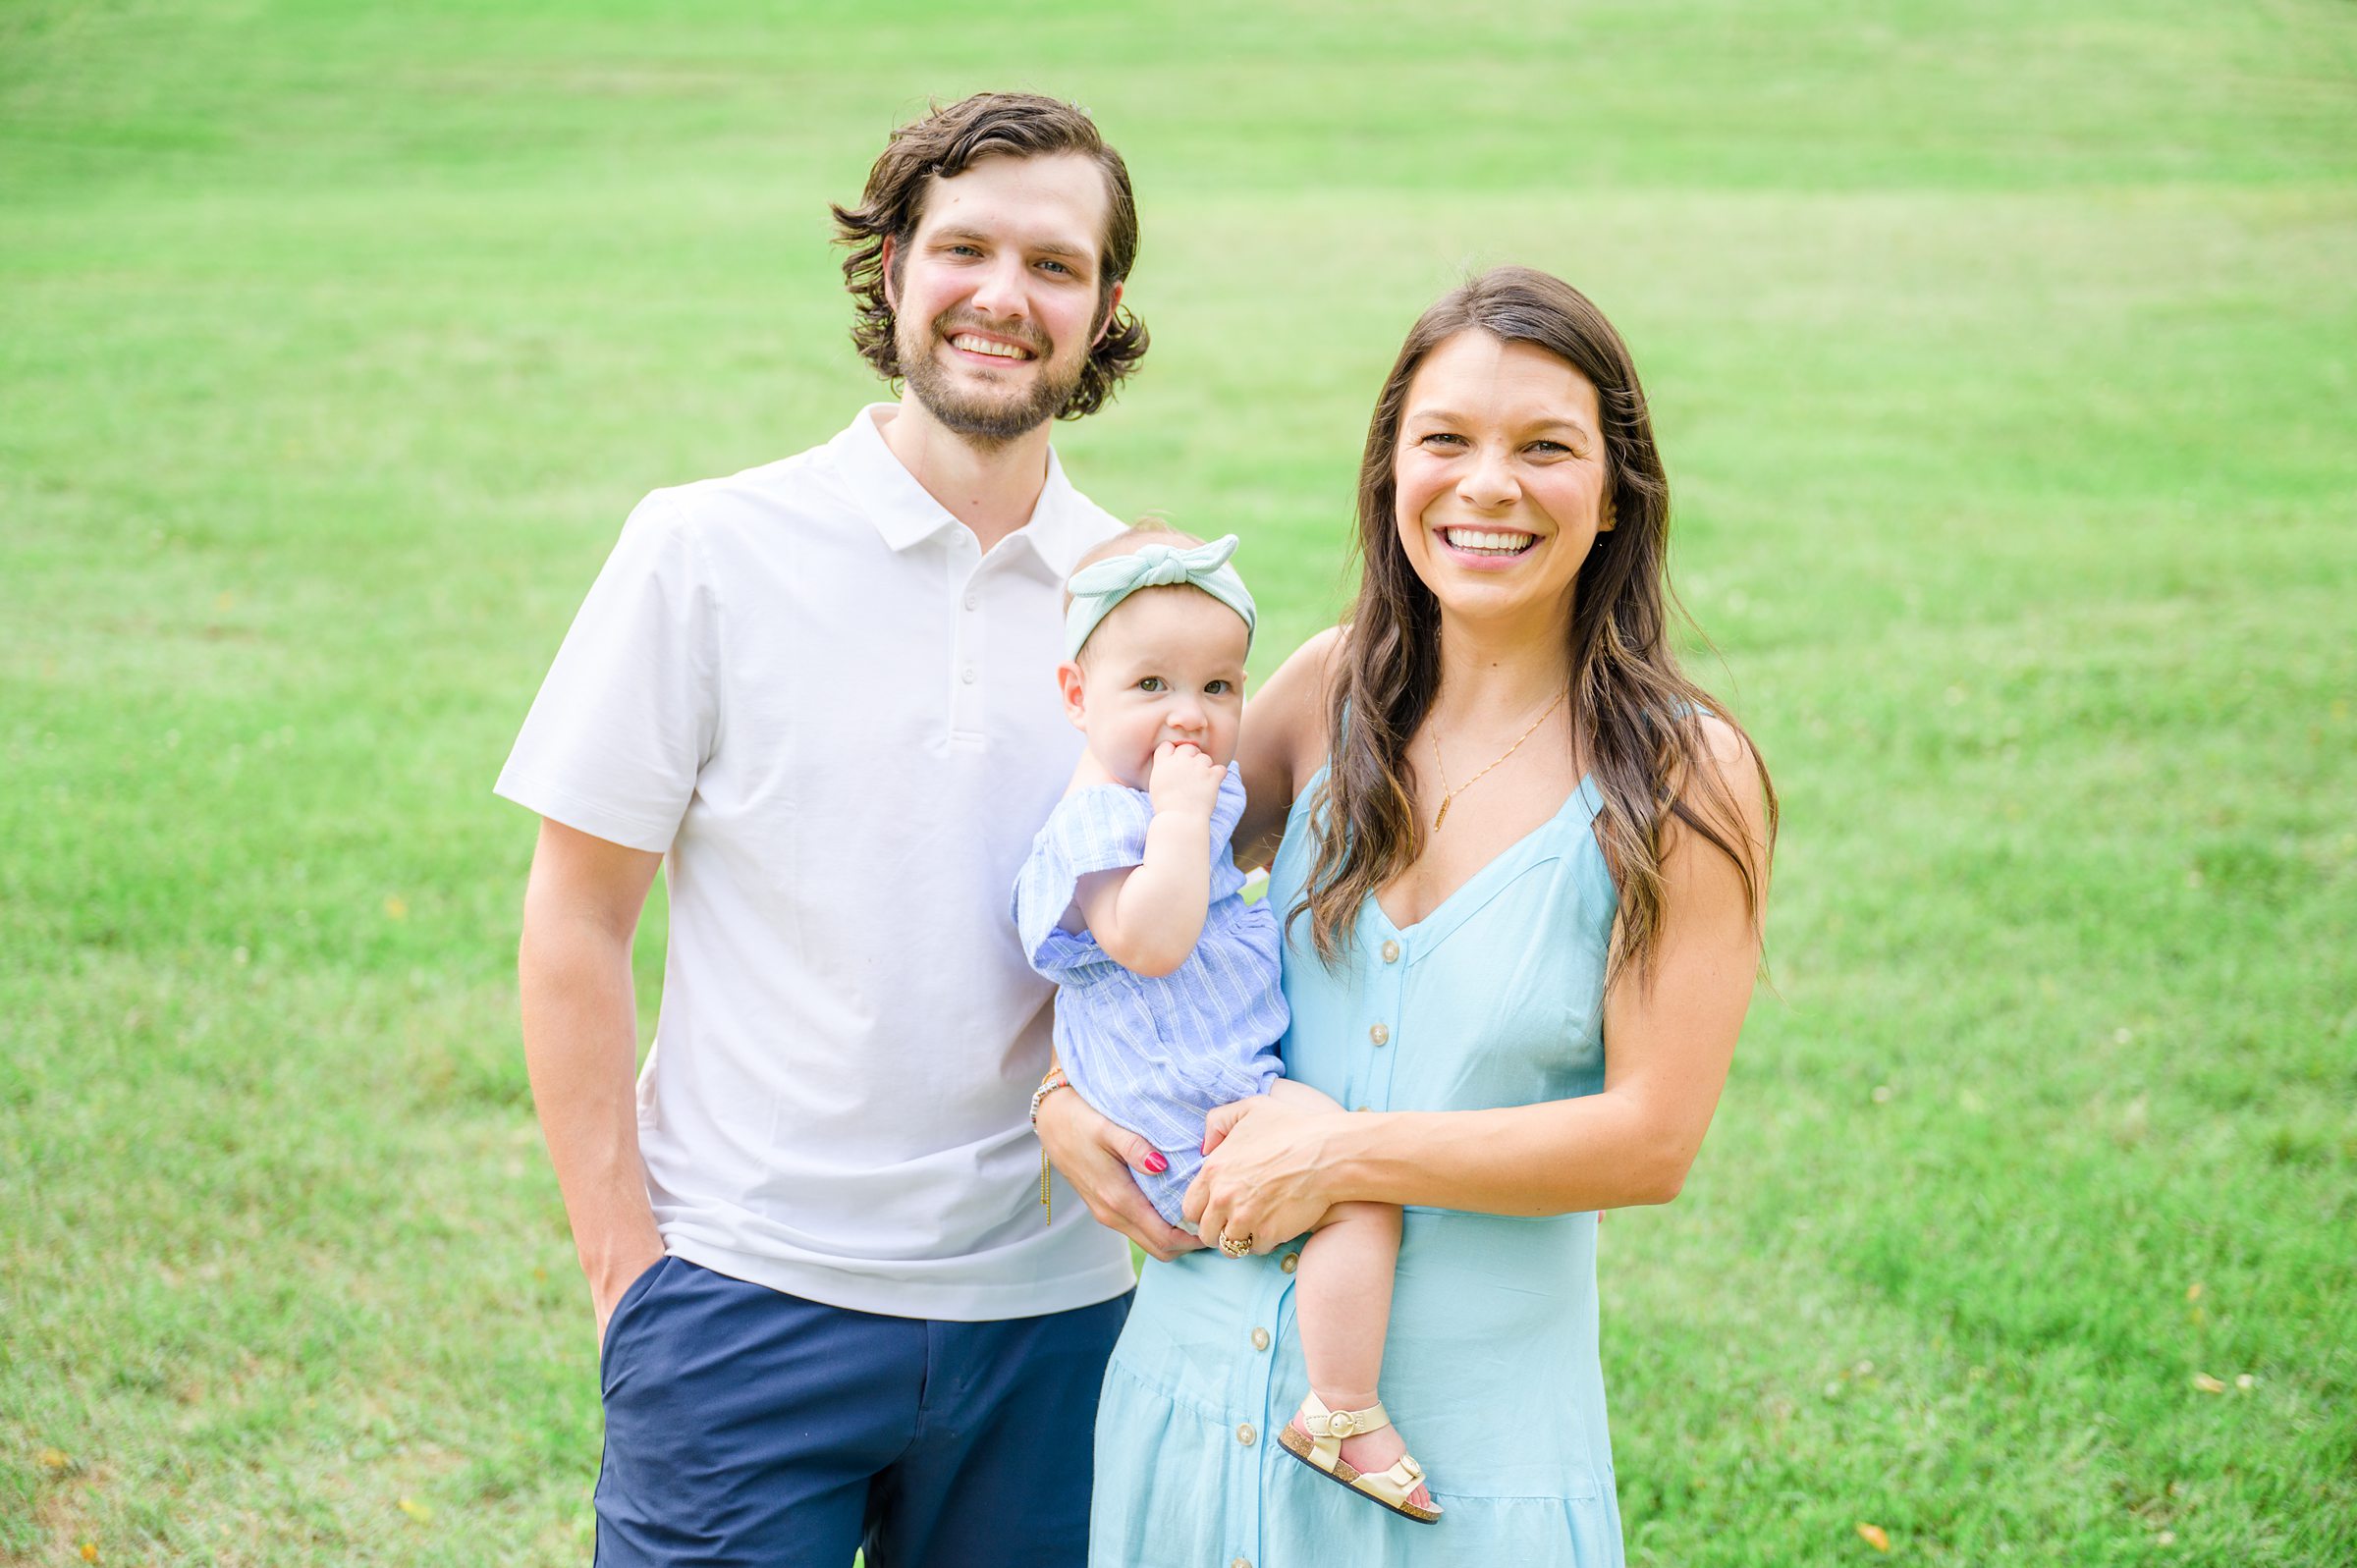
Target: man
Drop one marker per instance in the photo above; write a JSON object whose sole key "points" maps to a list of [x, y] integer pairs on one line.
{"points": [[833, 1313]]}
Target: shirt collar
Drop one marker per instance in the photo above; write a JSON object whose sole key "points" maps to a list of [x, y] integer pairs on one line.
{"points": [[906, 514]]}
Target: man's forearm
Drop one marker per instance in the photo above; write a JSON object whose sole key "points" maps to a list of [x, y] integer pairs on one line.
{"points": [[580, 1038]]}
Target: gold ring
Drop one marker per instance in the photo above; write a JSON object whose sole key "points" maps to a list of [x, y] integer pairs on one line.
{"points": [[1237, 1249]]}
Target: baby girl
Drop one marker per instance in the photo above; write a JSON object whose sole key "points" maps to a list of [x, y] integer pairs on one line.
{"points": [[1169, 1003]]}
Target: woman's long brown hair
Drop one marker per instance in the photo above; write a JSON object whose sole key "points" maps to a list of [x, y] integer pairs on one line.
{"points": [[1642, 717]]}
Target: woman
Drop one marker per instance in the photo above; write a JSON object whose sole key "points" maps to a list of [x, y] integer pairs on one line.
{"points": [[1522, 862]]}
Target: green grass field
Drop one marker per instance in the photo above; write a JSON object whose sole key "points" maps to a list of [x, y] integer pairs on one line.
{"points": [[2004, 357]]}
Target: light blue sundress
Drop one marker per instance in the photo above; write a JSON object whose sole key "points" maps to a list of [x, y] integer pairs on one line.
{"points": [[1491, 1370]]}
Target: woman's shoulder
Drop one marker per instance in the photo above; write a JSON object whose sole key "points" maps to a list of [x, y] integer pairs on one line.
{"points": [[1283, 742], [1302, 693], [1724, 790], [1727, 761]]}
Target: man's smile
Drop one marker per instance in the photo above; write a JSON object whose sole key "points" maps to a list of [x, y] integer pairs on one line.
{"points": [[977, 342]]}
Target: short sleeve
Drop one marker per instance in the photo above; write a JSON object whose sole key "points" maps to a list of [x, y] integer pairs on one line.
{"points": [[1102, 828], [627, 716]]}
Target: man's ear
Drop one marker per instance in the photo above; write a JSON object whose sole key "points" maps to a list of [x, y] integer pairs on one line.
{"points": [[1113, 304], [891, 285], [1071, 682]]}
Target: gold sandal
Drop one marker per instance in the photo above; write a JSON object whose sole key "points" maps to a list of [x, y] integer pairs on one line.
{"points": [[1322, 1451]]}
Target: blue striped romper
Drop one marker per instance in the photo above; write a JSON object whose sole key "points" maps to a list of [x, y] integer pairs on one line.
{"points": [[1154, 1055]]}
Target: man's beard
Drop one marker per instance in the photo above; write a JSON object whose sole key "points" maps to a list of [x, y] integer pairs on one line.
{"points": [[985, 420]]}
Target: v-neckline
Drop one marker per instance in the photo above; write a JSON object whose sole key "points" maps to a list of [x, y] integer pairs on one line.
{"points": [[1450, 913], [1584, 792]]}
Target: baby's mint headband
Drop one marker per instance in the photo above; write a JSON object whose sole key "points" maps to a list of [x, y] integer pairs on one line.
{"points": [[1097, 587]]}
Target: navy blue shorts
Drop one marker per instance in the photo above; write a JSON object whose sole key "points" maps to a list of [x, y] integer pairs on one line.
{"points": [[745, 1426]]}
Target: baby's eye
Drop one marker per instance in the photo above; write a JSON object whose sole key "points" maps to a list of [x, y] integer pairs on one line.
{"points": [[1153, 684], [1217, 688]]}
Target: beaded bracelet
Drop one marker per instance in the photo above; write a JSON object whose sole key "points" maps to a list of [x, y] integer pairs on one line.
{"points": [[1054, 1081]]}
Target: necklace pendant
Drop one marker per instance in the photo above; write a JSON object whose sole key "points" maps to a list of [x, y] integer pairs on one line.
{"points": [[1444, 816]]}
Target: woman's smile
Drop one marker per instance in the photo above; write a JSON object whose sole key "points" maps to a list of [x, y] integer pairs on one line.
{"points": [[1486, 549]]}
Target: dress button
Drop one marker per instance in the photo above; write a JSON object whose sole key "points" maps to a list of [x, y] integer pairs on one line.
{"points": [[1289, 1262], [1358, 1107], [1247, 1436], [1260, 1339], [1242, 1562], [1381, 1034], [1391, 952]]}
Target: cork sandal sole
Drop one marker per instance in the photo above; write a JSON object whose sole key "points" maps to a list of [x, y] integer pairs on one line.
{"points": [[1302, 1448]]}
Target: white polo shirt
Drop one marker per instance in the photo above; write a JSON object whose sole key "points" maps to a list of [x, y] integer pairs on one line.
{"points": [[838, 720]]}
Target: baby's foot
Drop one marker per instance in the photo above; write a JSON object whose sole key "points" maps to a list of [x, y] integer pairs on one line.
{"points": [[1371, 1454]]}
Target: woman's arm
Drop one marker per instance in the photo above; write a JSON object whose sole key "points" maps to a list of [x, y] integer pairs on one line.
{"points": [[1668, 1039], [1282, 741]]}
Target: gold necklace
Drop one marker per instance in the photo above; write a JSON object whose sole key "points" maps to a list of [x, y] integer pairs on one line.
{"points": [[1448, 794]]}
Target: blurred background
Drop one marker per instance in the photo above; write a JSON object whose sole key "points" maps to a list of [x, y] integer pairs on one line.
{"points": [[2002, 355]]}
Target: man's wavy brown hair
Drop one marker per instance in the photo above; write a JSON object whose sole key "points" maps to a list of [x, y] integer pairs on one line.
{"points": [[1641, 716], [948, 141]]}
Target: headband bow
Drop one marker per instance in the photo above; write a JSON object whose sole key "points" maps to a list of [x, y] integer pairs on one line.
{"points": [[1099, 586]]}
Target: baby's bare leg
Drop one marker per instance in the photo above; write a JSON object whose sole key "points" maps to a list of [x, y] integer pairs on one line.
{"points": [[1302, 1095], [1343, 1300], [1342, 1295]]}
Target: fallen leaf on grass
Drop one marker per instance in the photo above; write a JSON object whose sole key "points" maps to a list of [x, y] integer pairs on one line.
{"points": [[2193, 1292], [415, 1509], [1874, 1536], [397, 907], [54, 1459], [2207, 1384], [89, 1551]]}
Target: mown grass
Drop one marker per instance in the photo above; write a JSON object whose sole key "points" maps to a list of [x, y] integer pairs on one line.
{"points": [[2003, 358]]}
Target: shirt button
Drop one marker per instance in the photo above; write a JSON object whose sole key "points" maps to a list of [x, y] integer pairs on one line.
{"points": [[1358, 1107], [1247, 1436], [1260, 1339], [1242, 1562], [967, 675], [1289, 1262], [1381, 1034], [973, 600], [1390, 949]]}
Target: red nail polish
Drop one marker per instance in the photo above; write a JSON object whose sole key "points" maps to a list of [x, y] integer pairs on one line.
{"points": [[1155, 1163]]}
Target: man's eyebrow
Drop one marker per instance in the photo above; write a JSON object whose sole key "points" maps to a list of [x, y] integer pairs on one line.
{"points": [[1045, 247]]}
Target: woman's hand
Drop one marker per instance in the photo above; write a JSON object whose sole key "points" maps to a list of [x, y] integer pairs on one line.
{"points": [[1097, 1157], [1262, 1174]]}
